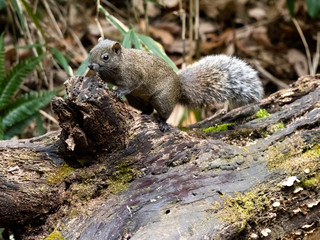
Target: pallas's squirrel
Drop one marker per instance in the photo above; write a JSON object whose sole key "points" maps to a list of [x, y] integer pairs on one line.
{"points": [[149, 83]]}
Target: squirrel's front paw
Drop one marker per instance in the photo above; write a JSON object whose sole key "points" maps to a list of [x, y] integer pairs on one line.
{"points": [[118, 94]]}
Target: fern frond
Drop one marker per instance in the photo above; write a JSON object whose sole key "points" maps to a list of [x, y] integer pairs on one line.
{"points": [[1, 57], [39, 124], [13, 79], [17, 128], [25, 106]]}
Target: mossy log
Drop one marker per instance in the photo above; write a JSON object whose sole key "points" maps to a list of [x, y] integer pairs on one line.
{"points": [[110, 173]]}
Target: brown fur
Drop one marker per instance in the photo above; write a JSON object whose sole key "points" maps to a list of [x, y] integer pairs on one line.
{"points": [[149, 82], [146, 78]]}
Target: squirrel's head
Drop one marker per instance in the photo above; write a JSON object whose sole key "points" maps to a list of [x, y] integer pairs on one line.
{"points": [[105, 58]]}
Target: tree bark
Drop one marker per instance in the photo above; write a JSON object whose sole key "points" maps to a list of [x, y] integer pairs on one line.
{"points": [[110, 173]]}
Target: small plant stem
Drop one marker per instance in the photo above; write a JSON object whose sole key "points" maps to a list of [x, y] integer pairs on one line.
{"points": [[304, 41], [54, 22], [190, 30], [146, 19], [48, 116], [97, 19], [182, 15], [196, 29], [317, 55]]}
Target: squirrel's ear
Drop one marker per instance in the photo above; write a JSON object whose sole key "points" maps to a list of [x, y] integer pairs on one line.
{"points": [[116, 47]]}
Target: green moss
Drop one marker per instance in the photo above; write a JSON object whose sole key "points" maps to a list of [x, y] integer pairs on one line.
{"points": [[242, 207], [122, 176], [313, 152], [277, 126], [73, 213], [60, 174], [55, 235], [184, 129], [292, 158], [264, 134], [311, 182], [218, 128], [84, 191], [262, 113], [82, 161], [120, 181]]}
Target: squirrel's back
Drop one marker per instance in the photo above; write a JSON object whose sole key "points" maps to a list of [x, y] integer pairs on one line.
{"points": [[216, 79]]}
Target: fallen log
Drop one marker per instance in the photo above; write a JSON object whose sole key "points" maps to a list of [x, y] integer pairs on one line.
{"points": [[111, 174]]}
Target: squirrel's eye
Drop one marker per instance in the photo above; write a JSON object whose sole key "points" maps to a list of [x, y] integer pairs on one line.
{"points": [[105, 57]]}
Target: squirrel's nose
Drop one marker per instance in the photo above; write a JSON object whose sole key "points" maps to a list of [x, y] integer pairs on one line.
{"points": [[93, 66]]}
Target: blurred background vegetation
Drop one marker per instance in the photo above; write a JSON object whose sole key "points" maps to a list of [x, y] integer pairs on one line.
{"points": [[44, 42]]}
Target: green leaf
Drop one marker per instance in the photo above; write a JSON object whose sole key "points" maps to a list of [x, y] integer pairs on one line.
{"points": [[2, 55], [130, 38], [58, 56], [17, 128], [153, 47], [290, 5], [33, 17], [39, 126], [18, 10], [113, 20], [13, 79], [83, 67], [26, 106], [2, 6], [313, 8], [35, 45]]}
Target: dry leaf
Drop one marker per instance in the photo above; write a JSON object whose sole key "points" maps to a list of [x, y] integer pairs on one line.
{"points": [[257, 13], [170, 3], [165, 36], [299, 61], [153, 11], [177, 47]]}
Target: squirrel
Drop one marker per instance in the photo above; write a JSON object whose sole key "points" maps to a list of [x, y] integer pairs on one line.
{"points": [[149, 83]]}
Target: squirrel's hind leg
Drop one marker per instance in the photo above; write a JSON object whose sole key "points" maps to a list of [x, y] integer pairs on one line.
{"points": [[164, 106], [163, 125]]}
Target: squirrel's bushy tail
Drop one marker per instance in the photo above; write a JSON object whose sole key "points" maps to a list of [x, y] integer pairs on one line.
{"points": [[216, 79]]}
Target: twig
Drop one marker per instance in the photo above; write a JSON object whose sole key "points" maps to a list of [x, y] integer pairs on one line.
{"points": [[97, 20], [317, 55], [304, 41], [272, 78], [114, 8], [35, 6], [48, 116], [196, 29], [61, 15], [76, 38], [131, 5], [190, 30], [182, 15], [146, 19], [55, 24], [30, 40]]}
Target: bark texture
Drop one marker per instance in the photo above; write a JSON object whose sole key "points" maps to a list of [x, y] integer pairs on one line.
{"points": [[111, 174]]}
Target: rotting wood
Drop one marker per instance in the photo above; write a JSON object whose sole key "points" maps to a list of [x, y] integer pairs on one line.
{"points": [[166, 185]]}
